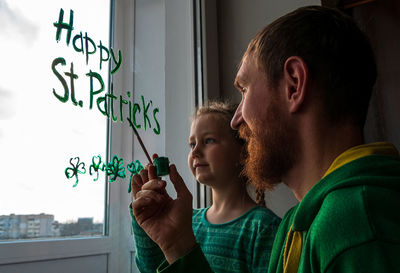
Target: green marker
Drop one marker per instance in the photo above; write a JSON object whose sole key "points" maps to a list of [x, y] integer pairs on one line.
{"points": [[161, 163]]}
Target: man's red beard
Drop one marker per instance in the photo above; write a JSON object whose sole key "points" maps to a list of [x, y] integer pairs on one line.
{"points": [[271, 152]]}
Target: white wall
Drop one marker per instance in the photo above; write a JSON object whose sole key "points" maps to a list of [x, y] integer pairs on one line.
{"points": [[381, 21]]}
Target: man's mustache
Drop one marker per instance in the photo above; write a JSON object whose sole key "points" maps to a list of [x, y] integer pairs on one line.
{"points": [[245, 132]]}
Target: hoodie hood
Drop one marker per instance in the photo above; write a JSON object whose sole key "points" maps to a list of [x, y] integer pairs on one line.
{"points": [[376, 164]]}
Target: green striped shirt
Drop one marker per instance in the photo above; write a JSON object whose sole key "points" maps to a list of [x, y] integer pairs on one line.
{"points": [[241, 245]]}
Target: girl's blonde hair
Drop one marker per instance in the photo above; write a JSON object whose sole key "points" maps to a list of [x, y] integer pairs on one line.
{"points": [[226, 111]]}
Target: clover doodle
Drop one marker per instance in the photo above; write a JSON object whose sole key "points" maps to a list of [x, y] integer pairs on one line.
{"points": [[133, 167], [96, 165], [77, 168], [115, 169]]}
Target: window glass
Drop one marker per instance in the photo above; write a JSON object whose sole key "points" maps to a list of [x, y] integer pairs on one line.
{"points": [[53, 135]]}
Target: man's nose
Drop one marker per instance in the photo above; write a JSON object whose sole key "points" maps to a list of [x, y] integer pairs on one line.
{"points": [[237, 118]]}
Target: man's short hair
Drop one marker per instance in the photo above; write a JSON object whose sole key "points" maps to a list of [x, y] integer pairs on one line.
{"points": [[338, 54]]}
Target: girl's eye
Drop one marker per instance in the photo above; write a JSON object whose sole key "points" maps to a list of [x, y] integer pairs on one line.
{"points": [[191, 145], [209, 140]]}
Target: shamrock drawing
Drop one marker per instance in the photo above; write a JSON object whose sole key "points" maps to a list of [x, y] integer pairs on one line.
{"points": [[96, 165], [133, 167], [115, 169], [77, 168]]}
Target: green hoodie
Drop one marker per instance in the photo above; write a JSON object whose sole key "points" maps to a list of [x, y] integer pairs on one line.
{"points": [[350, 220]]}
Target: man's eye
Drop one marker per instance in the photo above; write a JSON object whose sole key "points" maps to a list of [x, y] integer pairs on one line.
{"points": [[209, 140]]}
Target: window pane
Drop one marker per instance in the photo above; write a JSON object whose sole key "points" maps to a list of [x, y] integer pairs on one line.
{"points": [[47, 129]]}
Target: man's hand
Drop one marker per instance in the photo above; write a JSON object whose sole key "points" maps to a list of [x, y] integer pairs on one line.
{"points": [[168, 222]]}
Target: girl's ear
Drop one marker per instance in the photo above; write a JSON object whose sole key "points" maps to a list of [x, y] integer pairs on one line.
{"points": [[296, 77]]}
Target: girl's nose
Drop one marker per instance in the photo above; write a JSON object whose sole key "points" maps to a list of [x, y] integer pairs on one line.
{"points": [[196, 152]]}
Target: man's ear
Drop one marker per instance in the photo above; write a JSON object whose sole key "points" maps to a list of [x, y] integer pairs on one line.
{"points": [[296, 76]]}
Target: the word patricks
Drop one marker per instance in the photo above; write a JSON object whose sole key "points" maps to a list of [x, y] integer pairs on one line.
{"points": [[112, 106]]}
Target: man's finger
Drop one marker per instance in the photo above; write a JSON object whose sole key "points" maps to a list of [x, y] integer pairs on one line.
{"points": [[179, 184], [155, 185], [152, 172], [157, 197], [136, 184], [144, 175], [140, 208], [146, 206]]}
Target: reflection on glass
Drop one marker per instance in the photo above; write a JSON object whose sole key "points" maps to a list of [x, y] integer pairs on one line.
{"points": [[49, 115]]}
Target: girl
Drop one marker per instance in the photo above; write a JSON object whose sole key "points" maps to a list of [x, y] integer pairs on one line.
{"points": [[234, 233]]}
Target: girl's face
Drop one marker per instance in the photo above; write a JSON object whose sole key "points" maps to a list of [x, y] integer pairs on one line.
{"points": [[214, 156]]}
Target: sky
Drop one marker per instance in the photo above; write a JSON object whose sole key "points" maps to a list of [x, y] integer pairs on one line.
{"points": [[39, 133]]}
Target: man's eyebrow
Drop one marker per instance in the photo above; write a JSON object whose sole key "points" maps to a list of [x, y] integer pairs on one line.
{"points": [[236, 83], [239, 81]]}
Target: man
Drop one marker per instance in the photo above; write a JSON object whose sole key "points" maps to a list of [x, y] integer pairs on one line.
{"points": [[306, 81]]}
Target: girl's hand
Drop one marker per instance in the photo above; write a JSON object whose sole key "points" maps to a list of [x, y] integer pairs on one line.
{"points": [[168, 222]]}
